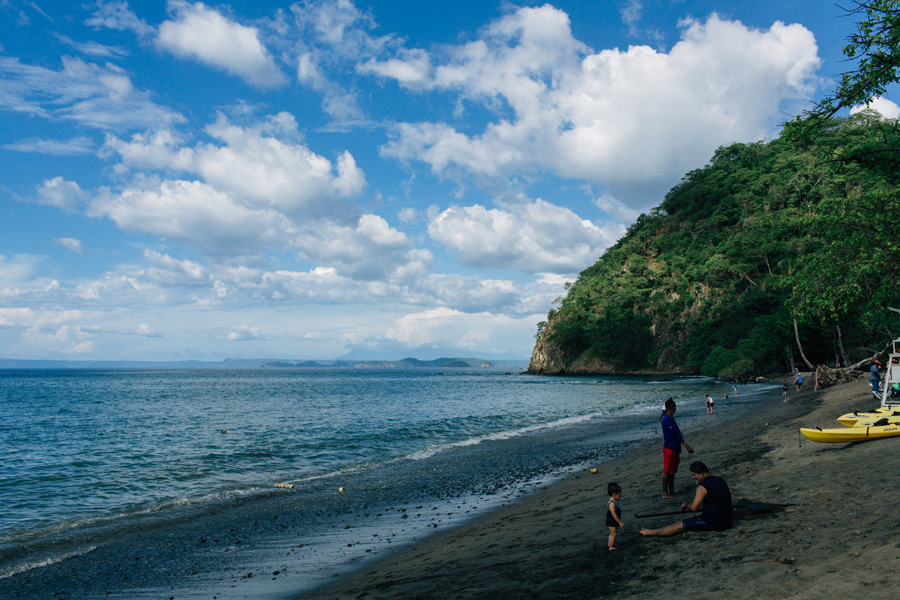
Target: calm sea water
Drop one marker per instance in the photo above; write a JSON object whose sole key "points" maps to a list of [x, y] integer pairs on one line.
{"points": [[86, 445]]}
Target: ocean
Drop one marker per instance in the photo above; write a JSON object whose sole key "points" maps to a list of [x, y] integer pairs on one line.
{"points": [[92, 457]]}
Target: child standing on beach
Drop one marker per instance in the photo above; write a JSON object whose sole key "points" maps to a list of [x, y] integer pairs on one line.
{"points": [[613, 513]]}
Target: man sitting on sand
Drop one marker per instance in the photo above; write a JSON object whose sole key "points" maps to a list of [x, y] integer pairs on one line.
{"points": [[712, 495]]}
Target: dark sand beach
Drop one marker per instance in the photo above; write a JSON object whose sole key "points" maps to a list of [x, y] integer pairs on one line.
{"points": [[834, 531]]}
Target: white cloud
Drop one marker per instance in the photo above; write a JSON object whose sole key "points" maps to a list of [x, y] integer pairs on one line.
{"points": [[339, 26], [145, 330], [631, 14], [194, 214], [36, 318], [66, 340], [408, 214], [63, 194], [881, 105], [261, 189], [369, 249], [332, 37], [484, 333], [88, 94], [200, 32], [70, 243], [166, 270], [290, 176], [118, 15], [17, 269], [244, 333], [71, 147], [261, 166], [634, 121], [616, 209], [412, 68], [531, 237], [92, 48]]}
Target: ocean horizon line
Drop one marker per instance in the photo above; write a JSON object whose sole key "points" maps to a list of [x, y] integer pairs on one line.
{"points": [[252, 363]]}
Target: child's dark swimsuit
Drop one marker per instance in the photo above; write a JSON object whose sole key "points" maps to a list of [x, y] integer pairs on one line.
{"points": [[610, 519]]}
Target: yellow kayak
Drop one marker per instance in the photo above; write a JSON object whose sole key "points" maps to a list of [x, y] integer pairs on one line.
{"points": [[856, 417], [851, 434]]}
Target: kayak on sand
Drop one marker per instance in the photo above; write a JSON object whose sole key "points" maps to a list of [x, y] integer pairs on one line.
{"points": [[851, 434]]}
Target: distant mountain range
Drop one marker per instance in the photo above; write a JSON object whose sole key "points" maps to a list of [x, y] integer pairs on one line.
{"points": [[257, 363]]}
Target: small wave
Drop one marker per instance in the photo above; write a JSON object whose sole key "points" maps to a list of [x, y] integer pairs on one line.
{"points": [[37, 564], [502, 435]]}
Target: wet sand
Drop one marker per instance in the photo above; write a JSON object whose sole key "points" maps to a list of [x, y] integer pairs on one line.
{"points": [[833, 531]]}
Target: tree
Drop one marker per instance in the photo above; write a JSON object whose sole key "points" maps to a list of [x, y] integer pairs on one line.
{"points": [[876, 45]]}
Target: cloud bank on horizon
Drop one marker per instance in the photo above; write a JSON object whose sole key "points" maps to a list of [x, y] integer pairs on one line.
{"points": [[299, 180]]}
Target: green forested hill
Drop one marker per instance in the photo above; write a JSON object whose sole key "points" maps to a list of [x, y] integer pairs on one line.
{"points": [[768, 244]]}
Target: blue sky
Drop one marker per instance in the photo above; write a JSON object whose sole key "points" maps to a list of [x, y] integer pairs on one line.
{"points": [[187, 180]]}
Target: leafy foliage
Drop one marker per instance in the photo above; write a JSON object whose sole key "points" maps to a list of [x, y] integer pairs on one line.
{"points": [[765, 235], [875, 47]]}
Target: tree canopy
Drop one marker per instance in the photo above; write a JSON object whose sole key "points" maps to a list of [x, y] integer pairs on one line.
{"points": [[765, 235]]}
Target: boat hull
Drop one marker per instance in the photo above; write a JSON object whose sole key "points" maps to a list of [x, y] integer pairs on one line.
{"points": [[851, 434]]}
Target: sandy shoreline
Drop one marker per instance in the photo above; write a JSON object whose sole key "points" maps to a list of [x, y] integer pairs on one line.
{"points": [[835, 532]]}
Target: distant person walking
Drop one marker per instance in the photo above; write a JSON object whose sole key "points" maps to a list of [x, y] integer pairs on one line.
{"points": [[672, 441], [713, 499], [784, 388], [709, 404], [876, 376], [799, 382]]}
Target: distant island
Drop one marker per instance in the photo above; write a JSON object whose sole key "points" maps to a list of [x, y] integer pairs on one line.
{"points": [[263, 363], [405, 363]]}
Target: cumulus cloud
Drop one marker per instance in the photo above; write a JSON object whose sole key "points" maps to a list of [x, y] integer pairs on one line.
{"points": [[66, 340], [632, 120], [369, 249], [202, 33], [70, 243], [194, 214], [881, 105], [482, 332], [532, 237], [264, 164], [411, 68], [259, 189], [63, 194], [166, 270], [244, 333], [616, 209], [145, 330]]}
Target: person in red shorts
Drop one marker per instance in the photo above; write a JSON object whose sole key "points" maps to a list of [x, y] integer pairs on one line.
{"points": [[672, 441]]}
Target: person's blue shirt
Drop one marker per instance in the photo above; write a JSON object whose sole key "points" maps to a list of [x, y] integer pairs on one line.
{"points": [[672, 437]]}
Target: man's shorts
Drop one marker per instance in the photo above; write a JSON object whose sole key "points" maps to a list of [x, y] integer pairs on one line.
{"points": [[671, 459], [700, 523]]}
